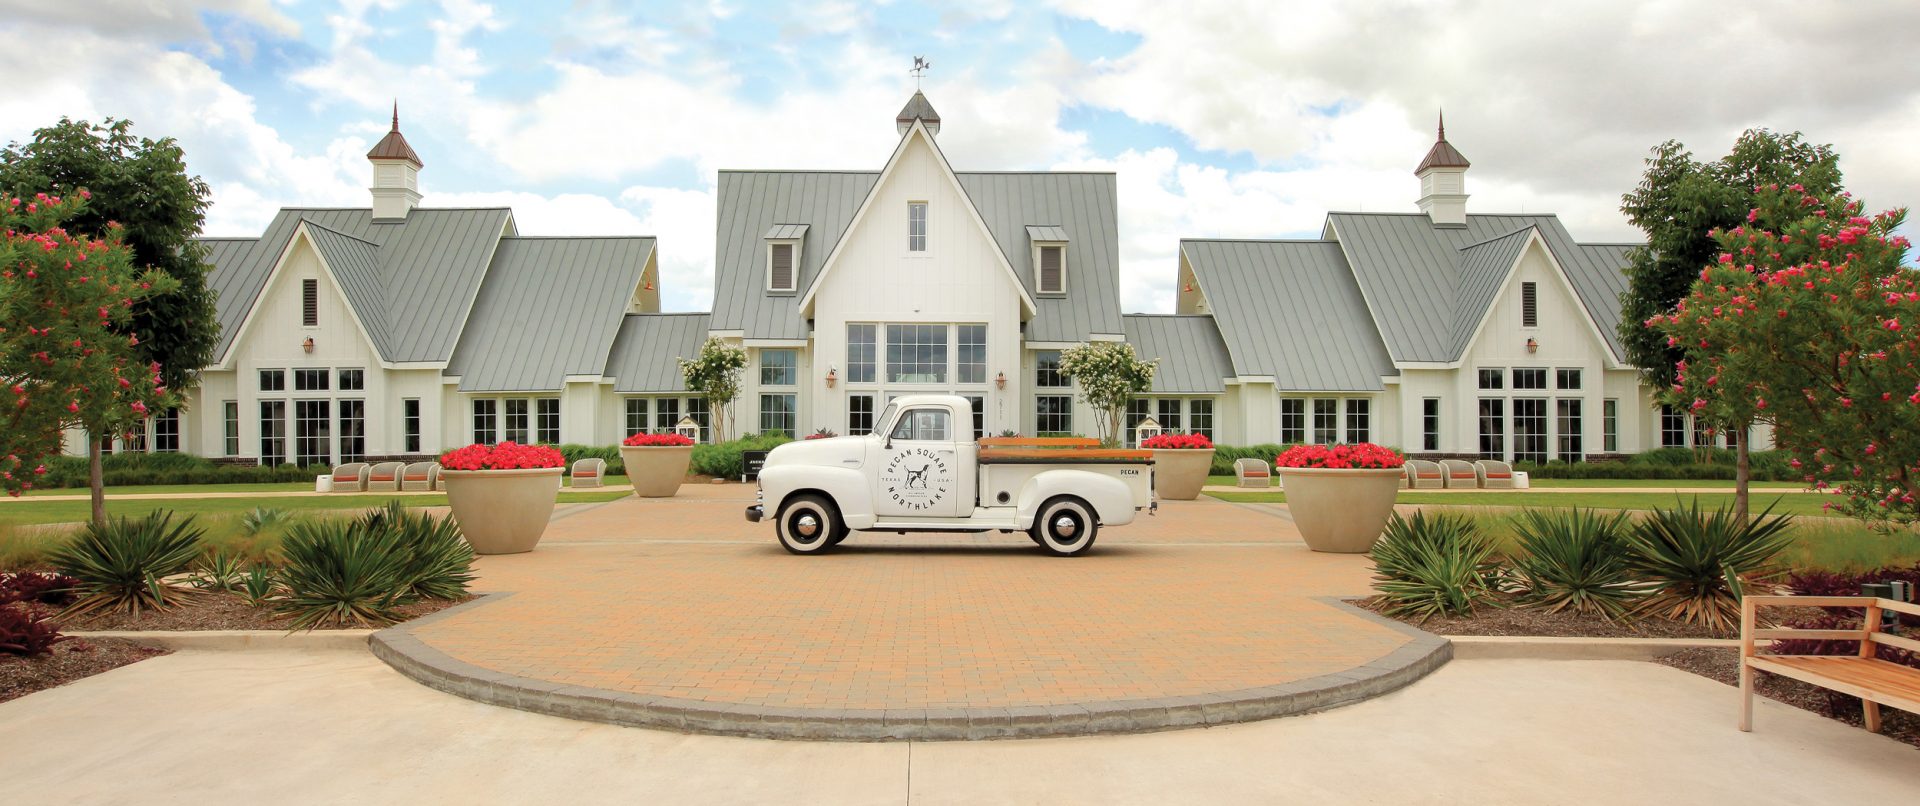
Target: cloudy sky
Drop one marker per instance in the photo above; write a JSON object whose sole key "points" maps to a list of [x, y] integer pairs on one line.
{"points": [[1234, 119]]}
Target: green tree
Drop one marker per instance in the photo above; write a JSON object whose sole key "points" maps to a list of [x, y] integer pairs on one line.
{"points": [[1110, 375], [64, 360], [715, 375]]}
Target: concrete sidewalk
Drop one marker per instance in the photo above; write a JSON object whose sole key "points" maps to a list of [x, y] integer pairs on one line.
{"points": [[340, 727]]}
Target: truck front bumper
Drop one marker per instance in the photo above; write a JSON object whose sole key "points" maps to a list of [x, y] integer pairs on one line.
{"points": [[755, 513]]}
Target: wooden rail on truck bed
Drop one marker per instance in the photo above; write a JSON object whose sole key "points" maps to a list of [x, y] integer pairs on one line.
{"points": [[1039, 442], [1875, 681], [1064, 456]]}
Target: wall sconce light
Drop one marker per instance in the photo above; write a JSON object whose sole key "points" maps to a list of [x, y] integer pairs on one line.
{"points": [[649, 285], [832, 375], [1000, 381], [1533, 346], [307, 345], [1188, 288]]}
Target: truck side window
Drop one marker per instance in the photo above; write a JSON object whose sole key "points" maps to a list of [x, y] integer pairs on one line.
{"points": [[922, 424]]}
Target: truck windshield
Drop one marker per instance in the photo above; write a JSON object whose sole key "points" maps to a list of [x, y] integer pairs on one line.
{"points": [[886, 417]]}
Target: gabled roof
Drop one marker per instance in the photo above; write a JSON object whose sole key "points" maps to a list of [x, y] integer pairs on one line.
{"points": [[550, 308], [1290, 310], [1086, 206], [1484, 268], [646, 353], [357, 269], [1193, 359]]}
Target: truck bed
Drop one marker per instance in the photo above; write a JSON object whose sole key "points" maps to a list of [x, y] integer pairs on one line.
{"points": [[1056, 451]]}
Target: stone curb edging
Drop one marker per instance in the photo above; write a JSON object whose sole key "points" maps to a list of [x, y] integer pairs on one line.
{"points": [[1535, 647], [405, 652], [220, 640]]}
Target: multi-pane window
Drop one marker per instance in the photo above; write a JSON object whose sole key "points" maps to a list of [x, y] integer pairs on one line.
{"points": [[1491, 378], [310, 380], [916, 353], [1430, 424], [310, 303], [1293, 420], [1358, 426], [972, 353], [861, 352], [859, 415], [778, 414], [486, 421], [353, 380], [1053, 414], [1673, 427], [1569, 421], [1326, 421], [410, 415], [515, 423], [312, 422], [1610, 425], [230, 416], [273, 432], [1566, 379], [353, 430], [1529, 304], [1200, 417], [1137, 410], [779, 367], [1702, 435], [546, 422], [273, 380], [166, 432], [697, 410], [1530, 429], [1169, 415], [636, 415], [1530, 378], [666, 414], [916, 226], [1493, 428], [979, 405], [1046, 372], [136, 441]]}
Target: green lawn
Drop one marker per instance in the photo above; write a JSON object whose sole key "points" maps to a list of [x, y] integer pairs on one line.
{"points": [[1548, 484], [30, 512], [1789, 503], [160, 489]]}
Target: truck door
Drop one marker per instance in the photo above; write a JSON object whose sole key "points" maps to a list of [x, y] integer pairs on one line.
{"points": [[918, 464]]}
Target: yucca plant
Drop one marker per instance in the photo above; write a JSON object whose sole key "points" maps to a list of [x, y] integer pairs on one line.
{"points": [[439, 563], [1574, 560], [1433, 565], [1696, 564], [341, 573], [126, 565], [218, 572], [259, 585], [261, 519]]}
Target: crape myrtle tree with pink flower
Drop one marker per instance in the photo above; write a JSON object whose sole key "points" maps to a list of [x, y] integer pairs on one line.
{"points": [[65, 361], [1809, 319]]}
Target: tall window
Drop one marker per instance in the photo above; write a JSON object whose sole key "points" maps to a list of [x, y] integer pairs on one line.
{"points": [[136, 441], [636, 415], [273, 432], [273, 380], [916, 226], [1169, 414], [1530, 429], [859, 415], [353, 380], [1358, 425], [1491, 378], [1293, 420], [916, 353], [1200, 417], [1529, 305], [666, 414], [1610, 425], [1673, 427], [1046, 372], [777, 414], [780, 267], [230, 416], [1566, 378], [972, 353], [1493, 428], [697, 409], [1529, 379], [310, 303], [310, 380], [546, 423], [516, 421], [1326, 420], [1702, 436], [979, 405], [353, 430], [1053, 270], [1137, 410], [312, 442], [1569, 421], [486, 421], [166, 432], [1430, 424], [861, 353], [1053, 414], [779, 367], [410, 413]]}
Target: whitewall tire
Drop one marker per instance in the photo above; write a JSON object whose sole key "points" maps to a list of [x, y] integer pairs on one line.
{"points": [[1065, 527], [808, 524]]}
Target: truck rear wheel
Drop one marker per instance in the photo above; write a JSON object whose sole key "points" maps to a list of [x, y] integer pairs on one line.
{"points": [[808, 524], [1065, 527]]}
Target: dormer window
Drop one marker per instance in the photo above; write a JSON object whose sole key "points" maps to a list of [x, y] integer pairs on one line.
{"points": [[784, 242], [1049, 258], [916, 227]]}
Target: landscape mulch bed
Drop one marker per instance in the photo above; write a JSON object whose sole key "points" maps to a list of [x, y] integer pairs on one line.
{"points": [[70, 660], [1724, 665], [1510, 619], [223, 611]]}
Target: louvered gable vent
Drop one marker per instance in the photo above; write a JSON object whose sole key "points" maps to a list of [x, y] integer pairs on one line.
{"points": [[780, 268], [1052, 264]]}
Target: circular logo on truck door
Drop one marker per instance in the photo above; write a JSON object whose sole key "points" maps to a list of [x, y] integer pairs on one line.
{"points": [[915, 479]]}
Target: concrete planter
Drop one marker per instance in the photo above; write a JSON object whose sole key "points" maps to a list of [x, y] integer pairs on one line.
{"points": [[1340, 510], [657, 472], [1178, 474], [502, 511]]}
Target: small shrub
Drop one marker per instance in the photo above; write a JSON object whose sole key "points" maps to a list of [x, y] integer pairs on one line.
{"points": [[125, 565], [219, 571], [1433, 565], [1821, 582], [610, 454], [259, 586], [263, 519], [438, 562], [1574, 560], [339, 573], [26, 631], [37, 588], [1225, 455], [723, 460], [1696, 564]]}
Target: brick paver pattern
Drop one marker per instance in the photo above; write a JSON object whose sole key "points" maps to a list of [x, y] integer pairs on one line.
{"points": [[683, 598]]}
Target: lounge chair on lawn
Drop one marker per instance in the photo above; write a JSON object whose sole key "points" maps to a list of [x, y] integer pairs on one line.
{"points": [[1495, 474], [384, 477], [421, 476], [1426, 475], [1252, 473], [351, 477], [589, 472], [1459, 474]]}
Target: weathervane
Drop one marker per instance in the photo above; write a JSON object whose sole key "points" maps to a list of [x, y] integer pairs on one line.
{"points": [[920, 65]]}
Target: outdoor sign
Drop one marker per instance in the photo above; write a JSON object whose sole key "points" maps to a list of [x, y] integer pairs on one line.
{"points": [[750, 464]]}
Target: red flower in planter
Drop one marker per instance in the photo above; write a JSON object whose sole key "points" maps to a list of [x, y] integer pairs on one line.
{"points": [[657, 441], [1365, 455], [1177, 442], [504, 456]]}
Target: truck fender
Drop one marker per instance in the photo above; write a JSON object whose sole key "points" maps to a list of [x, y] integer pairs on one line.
{"points": [[845, 487], [1112, 502]]}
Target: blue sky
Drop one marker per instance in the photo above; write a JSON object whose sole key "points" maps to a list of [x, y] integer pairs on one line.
{"points": [[1237, 118]]}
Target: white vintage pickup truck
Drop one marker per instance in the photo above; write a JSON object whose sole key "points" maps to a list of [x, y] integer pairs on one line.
{"points": [[916, 473]]}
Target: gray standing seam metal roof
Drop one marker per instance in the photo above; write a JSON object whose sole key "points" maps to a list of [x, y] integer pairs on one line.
{"points": [[1291, 310], [785, 232], [1411, 273], [357, 269], [752, 202], [1483, 269], [1193, 359], [1047, 234], [646, 353], [550, 308], [430, 265]]}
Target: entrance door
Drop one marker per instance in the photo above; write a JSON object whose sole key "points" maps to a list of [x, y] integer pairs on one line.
{"points": [[918, 468]]}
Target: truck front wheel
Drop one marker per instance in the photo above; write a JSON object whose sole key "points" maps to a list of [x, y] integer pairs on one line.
{"points": [[1065, 527], [808, 524]]}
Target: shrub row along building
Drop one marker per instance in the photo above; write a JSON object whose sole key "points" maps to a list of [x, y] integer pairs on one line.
{"points": [[398, 330]]}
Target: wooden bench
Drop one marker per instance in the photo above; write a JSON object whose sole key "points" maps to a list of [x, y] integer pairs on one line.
{"points": [[1876, 682]]}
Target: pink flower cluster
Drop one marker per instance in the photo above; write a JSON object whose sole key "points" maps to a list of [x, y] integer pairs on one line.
{"points": [[668, 440], [1177, 442], [504, 456], [1360, 456]]}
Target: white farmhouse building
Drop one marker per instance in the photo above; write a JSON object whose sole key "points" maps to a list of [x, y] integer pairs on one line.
{"points": [[404, 331]]}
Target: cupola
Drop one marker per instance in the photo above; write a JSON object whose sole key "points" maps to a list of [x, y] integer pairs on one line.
{"points": [[1443, 182], [917, 108], [396, 174]]}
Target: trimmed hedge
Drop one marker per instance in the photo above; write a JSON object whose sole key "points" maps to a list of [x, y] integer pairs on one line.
{"points": [[129, 469], [1685, 464], [723, 460], [609, 453], [1225, 455]]}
